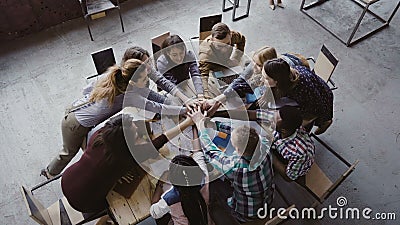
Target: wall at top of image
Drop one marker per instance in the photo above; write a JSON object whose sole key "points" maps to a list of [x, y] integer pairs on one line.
{"points": [[19, 18]]}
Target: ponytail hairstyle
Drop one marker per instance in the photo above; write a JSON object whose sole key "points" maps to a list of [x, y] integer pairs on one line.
{"points": [[186, 176], [116, 81], [279, 70]]}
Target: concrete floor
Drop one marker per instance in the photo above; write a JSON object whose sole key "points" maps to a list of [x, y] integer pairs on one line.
{"points": [[44, 72]]}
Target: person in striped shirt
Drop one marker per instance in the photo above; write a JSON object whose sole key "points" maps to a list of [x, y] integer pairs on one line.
{"points": [[292, 147]]}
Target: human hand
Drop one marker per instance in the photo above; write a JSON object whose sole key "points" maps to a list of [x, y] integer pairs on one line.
{"points": [[323, 127], [200, 98], [197, 116], [192, 103], [127, 178], [207, 104], [211, 111]]}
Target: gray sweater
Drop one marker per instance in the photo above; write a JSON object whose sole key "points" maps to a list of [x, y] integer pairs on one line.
{"points": [[94, 113], [178, 73]]}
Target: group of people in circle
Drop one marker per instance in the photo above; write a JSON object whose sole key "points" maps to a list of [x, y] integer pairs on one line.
{"points": [[246, 182]]}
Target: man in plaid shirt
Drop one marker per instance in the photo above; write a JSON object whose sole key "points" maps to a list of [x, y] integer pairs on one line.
{"points": [[292, 145], [249, 168]]}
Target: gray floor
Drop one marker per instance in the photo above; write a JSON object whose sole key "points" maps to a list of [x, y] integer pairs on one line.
{"points": [[42, 73]]}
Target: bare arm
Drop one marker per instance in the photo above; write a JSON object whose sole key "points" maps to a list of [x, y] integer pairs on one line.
{"points": [[159, 187], [173, 132], [157, 192], [196, 142], [198, 155]]}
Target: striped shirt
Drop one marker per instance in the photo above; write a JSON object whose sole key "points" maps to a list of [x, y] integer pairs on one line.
{"points": [[298, 149], [251, 178]]}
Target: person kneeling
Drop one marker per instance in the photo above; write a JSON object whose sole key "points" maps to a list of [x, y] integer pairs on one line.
{"points": [[293, 149]]}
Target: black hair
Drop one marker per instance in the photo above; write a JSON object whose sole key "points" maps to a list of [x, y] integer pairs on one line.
{"points": [[113, 138], [279, 70], [173, 40], [134, 52], [186, 176], [291, 118]]}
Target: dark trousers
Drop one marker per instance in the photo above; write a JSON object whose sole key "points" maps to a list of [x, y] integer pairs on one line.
{"points": [[165, 220], [219, 210]]}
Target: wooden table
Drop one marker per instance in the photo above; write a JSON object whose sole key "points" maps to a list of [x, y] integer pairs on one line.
{"points": [[136, 208]]}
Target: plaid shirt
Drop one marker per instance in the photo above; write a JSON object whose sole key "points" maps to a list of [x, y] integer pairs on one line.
{"points": [[298, 149], [251, 178]]}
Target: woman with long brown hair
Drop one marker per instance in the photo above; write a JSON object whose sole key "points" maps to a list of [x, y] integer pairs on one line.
{"points": [[112, 151], [313, 95], [186, 200], [251, 76], [101, 100], [178, 64]]}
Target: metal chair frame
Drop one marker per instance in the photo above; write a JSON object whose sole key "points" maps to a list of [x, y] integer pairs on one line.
{"points": [[332, 59], [103, 6], [334, 185], [363, 4], [235, 5], [205, 25], [88, 218]]}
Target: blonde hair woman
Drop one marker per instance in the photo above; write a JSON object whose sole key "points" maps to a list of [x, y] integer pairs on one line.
{"points": [[116, 82], [267, 53], [100, 100]]}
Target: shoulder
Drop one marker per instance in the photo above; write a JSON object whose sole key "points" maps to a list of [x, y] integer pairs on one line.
{"points": [[205, 47], [305, 74], [190, 56], [304, 135], [302, 69], [308, 77], [162, 61]]}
